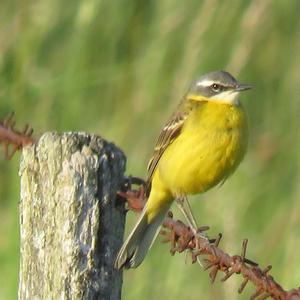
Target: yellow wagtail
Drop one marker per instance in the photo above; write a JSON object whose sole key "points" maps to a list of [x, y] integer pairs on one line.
{"points": [[200, 146]]}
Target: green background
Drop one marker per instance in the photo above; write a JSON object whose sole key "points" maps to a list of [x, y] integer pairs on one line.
{"points": [[118, 68]]}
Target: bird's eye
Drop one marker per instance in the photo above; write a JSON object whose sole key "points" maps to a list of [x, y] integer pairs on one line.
{"points": [[216, 87]]}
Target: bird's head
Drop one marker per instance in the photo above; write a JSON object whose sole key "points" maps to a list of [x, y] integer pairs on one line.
{"points": [[218, 86]]}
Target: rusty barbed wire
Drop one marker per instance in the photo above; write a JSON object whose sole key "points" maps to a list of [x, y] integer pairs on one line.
{"points": [[12, 139], [183, 238]]}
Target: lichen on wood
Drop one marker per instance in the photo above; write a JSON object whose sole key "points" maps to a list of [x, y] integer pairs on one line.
{"points": [[71, 224]]}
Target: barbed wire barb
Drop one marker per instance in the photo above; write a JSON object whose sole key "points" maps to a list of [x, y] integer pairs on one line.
{"points": [[12, 139]]}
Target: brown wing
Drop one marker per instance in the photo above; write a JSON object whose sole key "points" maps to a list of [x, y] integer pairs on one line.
{"points": [[167, 135]]}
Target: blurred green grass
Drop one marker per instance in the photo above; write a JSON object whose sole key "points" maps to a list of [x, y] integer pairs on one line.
{"points": [[118, 68]]}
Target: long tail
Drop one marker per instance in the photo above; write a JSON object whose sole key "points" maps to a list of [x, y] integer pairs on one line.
{"points": [[140, 240]]}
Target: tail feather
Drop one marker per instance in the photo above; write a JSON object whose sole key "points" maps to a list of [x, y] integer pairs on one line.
{"points": [[139, 241]]}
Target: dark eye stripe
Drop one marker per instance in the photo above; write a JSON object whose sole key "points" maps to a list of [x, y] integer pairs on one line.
{"points": [[217, 87]]}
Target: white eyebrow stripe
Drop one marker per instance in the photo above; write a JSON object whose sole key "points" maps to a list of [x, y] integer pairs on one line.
{"points": [[205, 83]]}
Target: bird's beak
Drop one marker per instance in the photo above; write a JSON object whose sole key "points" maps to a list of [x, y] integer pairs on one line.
{"points": [[243, 87]]}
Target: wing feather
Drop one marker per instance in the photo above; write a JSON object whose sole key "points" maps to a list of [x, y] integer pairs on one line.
{"points": [[167, 135]]}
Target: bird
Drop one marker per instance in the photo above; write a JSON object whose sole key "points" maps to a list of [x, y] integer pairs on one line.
{"points": [[199, 147]]}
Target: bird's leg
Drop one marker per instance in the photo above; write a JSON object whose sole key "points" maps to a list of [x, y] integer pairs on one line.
{"points": [[185, 208]]}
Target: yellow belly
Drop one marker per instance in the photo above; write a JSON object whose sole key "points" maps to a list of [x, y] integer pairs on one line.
{"points": [[211, 145]]}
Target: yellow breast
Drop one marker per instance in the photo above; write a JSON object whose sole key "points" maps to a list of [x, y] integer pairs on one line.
{"points": [[211, 145]]}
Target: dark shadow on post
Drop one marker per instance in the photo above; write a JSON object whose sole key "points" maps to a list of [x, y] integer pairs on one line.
{"points": [[71, 222]]}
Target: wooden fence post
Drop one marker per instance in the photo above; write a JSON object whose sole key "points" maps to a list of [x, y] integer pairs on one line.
{"points": [[71, 224]]}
